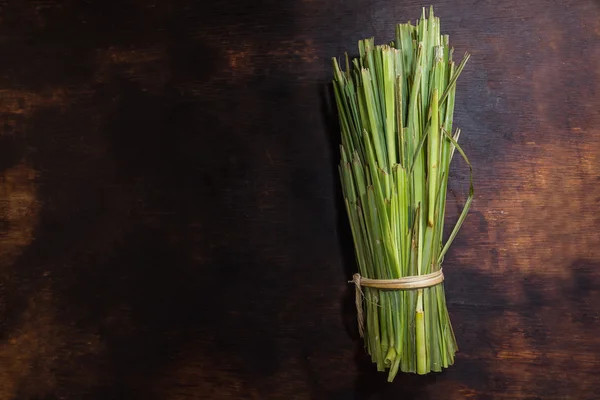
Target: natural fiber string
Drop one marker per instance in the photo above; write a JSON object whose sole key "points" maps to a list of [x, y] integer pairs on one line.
{"points": [[406, 283]]}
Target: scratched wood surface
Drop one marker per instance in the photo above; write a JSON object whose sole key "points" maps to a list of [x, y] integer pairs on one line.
{"points": [[170, 217]]}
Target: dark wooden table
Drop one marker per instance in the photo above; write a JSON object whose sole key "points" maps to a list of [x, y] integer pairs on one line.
{"points": [[170, 216]]}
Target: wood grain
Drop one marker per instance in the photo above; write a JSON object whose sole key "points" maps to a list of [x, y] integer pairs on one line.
{"points": [[151, 150]]}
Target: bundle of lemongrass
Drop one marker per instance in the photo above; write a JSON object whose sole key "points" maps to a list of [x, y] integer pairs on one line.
{"points": [[395, 105]]}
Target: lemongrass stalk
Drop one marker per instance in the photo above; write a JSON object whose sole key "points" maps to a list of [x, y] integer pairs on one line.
{"points": [[389, 85]]}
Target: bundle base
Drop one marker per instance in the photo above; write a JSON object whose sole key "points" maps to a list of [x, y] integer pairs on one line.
{"points": [[408, 330]]}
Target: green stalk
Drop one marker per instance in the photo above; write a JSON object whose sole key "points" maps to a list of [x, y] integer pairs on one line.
{"points": [[422, 367], [389, 85]]}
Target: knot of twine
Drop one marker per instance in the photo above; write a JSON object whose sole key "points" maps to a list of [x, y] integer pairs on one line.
{"points": [[406, 283]]}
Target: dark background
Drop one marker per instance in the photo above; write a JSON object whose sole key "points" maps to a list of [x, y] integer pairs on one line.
{"points": [[170, 217]]}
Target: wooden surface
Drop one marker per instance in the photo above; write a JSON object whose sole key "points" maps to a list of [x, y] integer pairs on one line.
{"points": [[170, 216]]}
